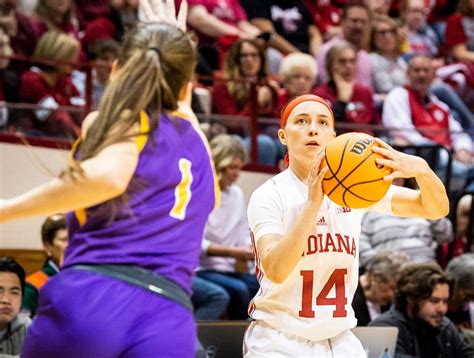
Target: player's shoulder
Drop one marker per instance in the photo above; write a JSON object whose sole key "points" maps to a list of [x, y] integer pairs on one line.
{"points": [[275, 189], [276, 183], [88, 121]]}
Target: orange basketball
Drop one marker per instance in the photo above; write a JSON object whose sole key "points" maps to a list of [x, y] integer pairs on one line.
{"points": [[354, 180]]}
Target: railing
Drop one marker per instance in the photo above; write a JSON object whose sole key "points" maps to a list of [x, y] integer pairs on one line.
{"points": [[249, 125]]}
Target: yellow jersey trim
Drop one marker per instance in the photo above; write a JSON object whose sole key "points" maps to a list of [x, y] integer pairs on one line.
{"points": [[142, 139]]}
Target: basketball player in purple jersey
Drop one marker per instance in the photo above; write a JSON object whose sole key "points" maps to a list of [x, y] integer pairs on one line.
{"points": [[140, 189]]}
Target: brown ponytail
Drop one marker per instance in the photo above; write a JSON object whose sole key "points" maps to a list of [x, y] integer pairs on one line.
{"points": [[156, 62]]}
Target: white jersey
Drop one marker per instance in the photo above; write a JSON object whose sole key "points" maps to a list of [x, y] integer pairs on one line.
{"points": [[314, 302]]}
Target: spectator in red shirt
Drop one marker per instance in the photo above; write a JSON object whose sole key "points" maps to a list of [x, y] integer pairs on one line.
{"points": [[327, 17], [460, 41], [459, 32], [21, 32], [213, 18], [218, 24], [89, 10], [246, 63], [50, 86], [352, 102], [298, 74], [18, 27]]}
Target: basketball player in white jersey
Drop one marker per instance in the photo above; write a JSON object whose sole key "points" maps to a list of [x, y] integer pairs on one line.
{"points": [[307, 247]]}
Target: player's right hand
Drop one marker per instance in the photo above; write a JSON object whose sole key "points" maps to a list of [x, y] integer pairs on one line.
{"points": [[315, 179]]}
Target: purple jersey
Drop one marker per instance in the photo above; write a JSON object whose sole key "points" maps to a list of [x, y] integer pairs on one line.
{"points": [[160, 226]]}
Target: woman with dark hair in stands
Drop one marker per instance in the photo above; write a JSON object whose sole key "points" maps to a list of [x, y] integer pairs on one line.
{"points": [[140, 186], [246, 63]]}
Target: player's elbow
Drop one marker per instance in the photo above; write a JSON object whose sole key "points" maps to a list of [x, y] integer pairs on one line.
{"points": [[276, 278], [439, 213], [116, 186], [113, 182], [274, 272]]}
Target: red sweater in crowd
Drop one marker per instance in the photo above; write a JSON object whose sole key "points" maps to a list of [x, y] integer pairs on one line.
{"points": [[34, 89], [359, 110]]}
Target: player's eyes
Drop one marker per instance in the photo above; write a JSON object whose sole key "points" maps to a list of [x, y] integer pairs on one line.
{"points": [[300, 120], [323, 123]]}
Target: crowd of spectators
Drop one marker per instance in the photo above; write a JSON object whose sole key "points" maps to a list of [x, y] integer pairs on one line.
{"points": [[400, 69], [253, 60], [241, 44]]}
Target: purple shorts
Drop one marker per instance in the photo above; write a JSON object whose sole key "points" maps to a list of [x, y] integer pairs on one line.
{"points": [[86, 314]]}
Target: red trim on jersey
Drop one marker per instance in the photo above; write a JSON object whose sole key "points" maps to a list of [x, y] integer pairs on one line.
{"points": [[258, 272], [251, 308]]}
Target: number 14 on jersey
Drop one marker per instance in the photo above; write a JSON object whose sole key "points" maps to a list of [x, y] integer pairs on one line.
{"points": [[339, 301]]}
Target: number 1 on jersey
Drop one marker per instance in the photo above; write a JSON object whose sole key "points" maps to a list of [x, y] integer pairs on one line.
{"points": [[182, 192], [339, 301]]}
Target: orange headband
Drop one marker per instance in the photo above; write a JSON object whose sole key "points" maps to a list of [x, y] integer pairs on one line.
{"points": [[300, 99]]}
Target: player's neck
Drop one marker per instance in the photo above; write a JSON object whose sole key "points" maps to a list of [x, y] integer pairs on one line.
{"points": [[299, 170]]}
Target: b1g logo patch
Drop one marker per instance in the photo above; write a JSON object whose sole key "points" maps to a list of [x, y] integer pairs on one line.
{"points": [[341, 210]]}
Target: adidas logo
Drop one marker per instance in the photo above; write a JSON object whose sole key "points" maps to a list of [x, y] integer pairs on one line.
{"points": [[321, 221]]}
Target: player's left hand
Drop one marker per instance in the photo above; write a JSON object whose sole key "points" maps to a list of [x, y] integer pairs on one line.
{"points": [[155, 11], [403, 165]]}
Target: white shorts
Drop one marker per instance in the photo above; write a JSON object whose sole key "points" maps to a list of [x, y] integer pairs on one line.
{"points": [[262, 340]]}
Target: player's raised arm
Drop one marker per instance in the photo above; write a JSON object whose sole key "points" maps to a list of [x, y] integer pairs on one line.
{"points": [[101, 178], [430, 201], [279, 254]]}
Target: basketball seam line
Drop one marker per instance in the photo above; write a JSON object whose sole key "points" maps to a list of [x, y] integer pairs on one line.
{"points": [[340, 162], [340, 182], [356, 195]]}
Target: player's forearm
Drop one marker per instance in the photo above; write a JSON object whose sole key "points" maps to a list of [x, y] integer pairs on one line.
{"points": [[56, 196], [104, 177], [433, 197], [282, 258]]}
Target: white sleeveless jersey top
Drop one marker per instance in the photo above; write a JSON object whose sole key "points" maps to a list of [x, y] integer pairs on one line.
{"points": [[314, 302]]}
